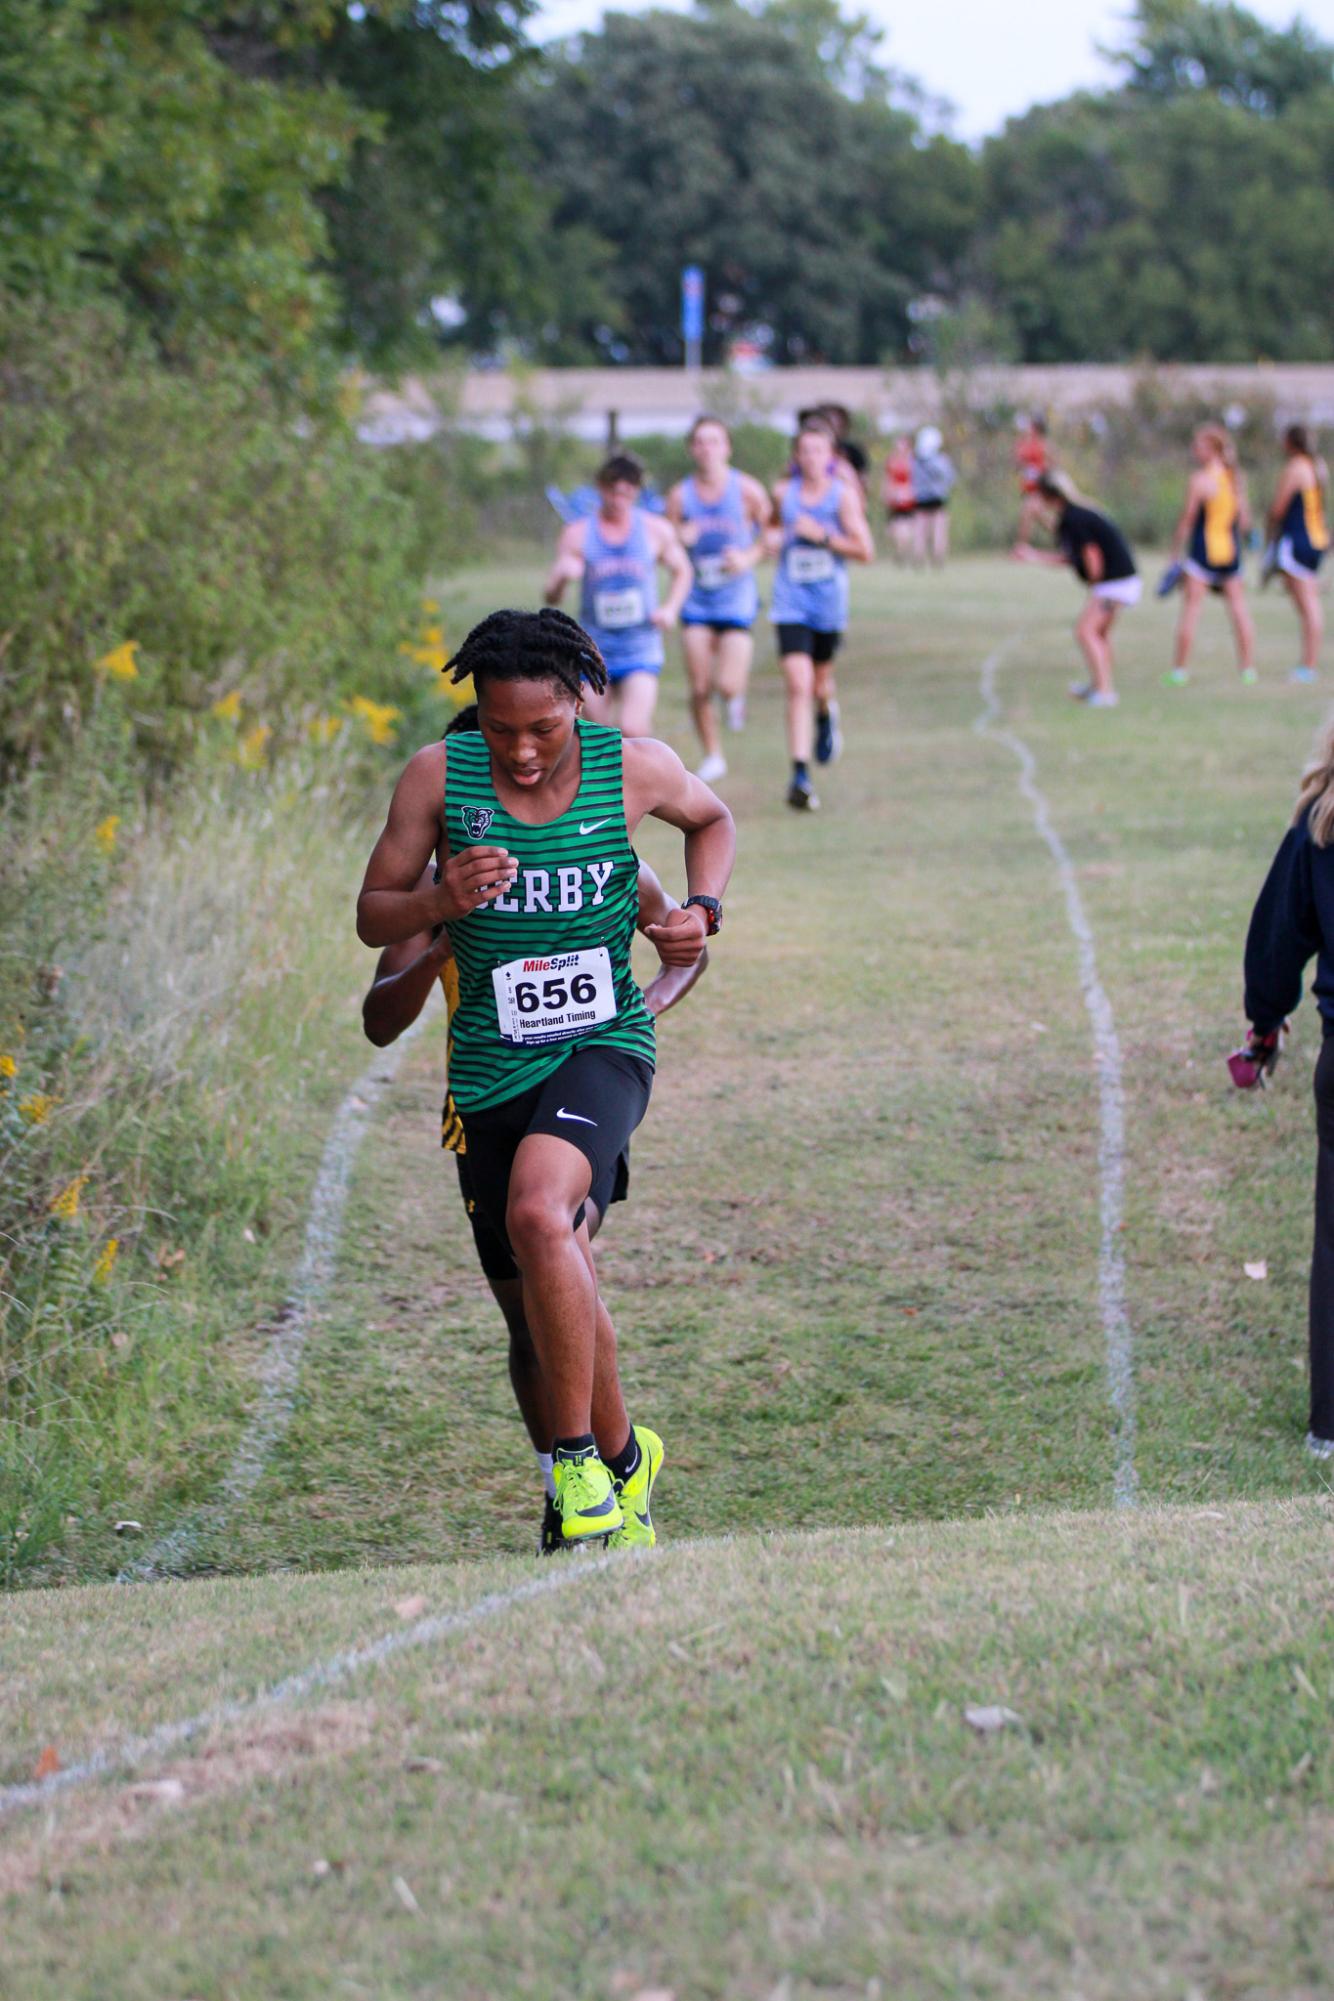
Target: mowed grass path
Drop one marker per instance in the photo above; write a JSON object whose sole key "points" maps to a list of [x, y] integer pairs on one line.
{"points": [[728, 1772], [857, 1277]]}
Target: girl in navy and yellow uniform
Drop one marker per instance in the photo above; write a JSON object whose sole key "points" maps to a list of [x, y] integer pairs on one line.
{"points": [[1298, 539], [1206, 546]]}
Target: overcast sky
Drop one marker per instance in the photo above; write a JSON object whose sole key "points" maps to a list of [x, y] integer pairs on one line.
{"points": [[990, 58]]}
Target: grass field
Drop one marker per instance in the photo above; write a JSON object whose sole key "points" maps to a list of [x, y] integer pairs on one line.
{"points": [[856, 1288]]}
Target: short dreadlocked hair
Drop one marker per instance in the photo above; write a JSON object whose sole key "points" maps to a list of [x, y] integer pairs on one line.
{"points": [[530, 646]]}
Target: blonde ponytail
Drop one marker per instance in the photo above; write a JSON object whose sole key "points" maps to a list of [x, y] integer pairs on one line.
{"points": [[1315, 795]]}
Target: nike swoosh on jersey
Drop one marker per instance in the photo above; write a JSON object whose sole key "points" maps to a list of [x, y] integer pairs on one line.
{"points": [[563, 1114], [591, 826]]}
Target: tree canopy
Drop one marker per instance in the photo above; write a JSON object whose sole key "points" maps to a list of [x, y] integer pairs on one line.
{"points": [[301, 180]]}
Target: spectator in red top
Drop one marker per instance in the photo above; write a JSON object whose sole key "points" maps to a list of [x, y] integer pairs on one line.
{"points": [[900, 499], [1032, 460]]}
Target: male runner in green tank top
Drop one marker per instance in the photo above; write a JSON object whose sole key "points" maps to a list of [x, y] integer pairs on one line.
{"points": [[531, 824]]}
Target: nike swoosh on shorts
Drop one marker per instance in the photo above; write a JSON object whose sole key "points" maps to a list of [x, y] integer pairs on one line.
{"points": [[591, 826], [563, 1114]]}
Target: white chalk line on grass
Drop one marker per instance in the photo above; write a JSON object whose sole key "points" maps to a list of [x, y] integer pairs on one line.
{"points": [[281, 1366], [133, 1752], [1117, 1334]]}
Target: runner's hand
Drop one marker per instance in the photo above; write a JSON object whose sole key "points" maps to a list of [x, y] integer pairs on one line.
{"points": [[734, 562], [471, 877], [682, 938], [808, 529], [1255, 1061], [663, 617]]}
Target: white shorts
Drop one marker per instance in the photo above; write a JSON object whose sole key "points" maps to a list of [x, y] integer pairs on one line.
{"points": [[1291, 564], [1204, 575], [1121, 590]]}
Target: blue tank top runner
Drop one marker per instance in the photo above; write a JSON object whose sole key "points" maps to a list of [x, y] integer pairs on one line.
{"points": [[620, 593], [717, 597], [812, 583]]}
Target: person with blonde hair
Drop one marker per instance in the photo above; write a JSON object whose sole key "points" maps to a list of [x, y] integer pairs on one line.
{"points": [[1095, 549], [1298, 539], [1206, 550], [1293, 921]]}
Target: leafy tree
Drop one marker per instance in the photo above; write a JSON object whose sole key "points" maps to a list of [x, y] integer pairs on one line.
{"points": [[769, 148], [1183, 47]]}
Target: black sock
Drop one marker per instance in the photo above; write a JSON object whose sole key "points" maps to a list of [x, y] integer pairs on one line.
{"points": [[799, 771], [622, 1464], [575, 1448]]}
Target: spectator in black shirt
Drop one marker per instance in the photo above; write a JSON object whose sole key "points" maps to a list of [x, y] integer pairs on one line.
{"points": [[1097, 552], [1292, 923]]}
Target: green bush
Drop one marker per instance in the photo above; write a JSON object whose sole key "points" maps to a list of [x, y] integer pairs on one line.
{"points": [[235, 541]]}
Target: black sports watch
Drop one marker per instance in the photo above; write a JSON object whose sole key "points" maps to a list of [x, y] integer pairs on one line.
{"points": [[712, 909]]}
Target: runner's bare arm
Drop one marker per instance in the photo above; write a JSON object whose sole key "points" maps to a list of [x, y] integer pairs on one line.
{"points": [[404, 977], [854, 537], [657, 784], [391, 907], [667, 548], [568, 566], [1094, 567], [669, 984], [687, 531], [758, 509], [773, 534]]}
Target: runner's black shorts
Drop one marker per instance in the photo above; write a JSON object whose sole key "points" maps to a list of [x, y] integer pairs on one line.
{"points": [[493, 1254], [821, 646], [594, 1101]]}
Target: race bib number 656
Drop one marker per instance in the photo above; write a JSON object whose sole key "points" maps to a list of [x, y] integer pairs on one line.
{"points": [[549, 1000]]}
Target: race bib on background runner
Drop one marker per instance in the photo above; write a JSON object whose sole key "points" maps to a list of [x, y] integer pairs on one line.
{"points": [[549, 1000], [711, 572], [615, 610], [808, 565]]}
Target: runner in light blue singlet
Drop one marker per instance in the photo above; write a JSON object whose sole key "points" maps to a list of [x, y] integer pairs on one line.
{"points": [[811, 587], [613, 555], [618, 597], [819, 526], [719, 597], [722, 517]]}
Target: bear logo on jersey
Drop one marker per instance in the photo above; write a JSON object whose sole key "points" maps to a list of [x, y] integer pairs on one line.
{"points": [[476, 820]]}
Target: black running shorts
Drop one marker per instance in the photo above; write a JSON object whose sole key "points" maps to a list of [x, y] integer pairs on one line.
{"points": [[821, 646], [594, 1101]]}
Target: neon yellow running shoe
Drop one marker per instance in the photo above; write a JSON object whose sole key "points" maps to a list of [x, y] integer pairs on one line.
{"points": [[585, 1498], [636, 1493]]}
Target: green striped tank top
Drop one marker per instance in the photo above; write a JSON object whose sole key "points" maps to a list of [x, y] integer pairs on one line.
{"points": [[577, 891]]}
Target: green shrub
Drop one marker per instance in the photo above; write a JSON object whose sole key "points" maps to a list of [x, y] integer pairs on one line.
{"points": [[236, 542]]}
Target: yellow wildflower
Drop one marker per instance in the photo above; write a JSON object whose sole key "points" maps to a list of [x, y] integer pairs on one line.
{"points": [[379, 717], [37, 1107], [106, 1261], [120, 663], [323, 729], [430, 606], [66, 1204], [8, 1067], [461, 692], [250, 750], [104, 833], [227, 708]]}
